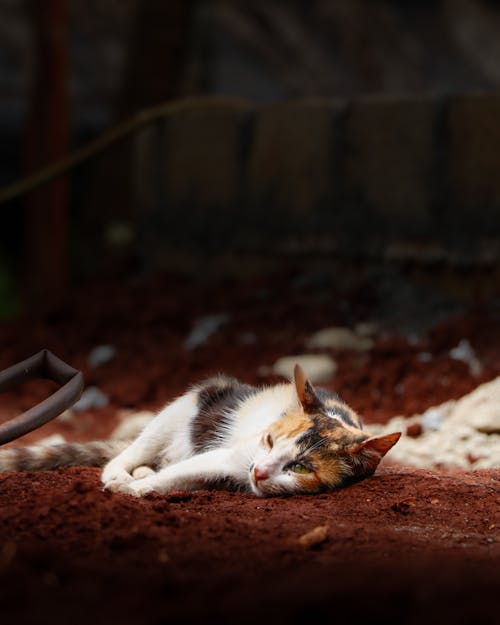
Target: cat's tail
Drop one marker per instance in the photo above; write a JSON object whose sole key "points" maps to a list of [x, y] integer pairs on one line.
{"points": [[45, 457]]}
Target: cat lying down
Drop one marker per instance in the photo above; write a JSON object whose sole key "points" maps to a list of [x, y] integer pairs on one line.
{"points": [[280, 440]]}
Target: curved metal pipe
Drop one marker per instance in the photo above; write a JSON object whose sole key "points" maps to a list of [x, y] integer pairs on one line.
{"points": [[42, 365]]}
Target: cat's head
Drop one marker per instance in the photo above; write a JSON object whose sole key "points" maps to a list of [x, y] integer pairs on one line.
{"points": [[308, 450]]}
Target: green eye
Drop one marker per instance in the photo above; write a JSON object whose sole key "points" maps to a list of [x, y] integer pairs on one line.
{"points": [[300, 468]]}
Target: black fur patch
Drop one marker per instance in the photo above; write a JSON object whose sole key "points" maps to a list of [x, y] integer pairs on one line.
{"points": [[342, 413], [324, 433], [336, 406], [217, 398], [325, 395]]}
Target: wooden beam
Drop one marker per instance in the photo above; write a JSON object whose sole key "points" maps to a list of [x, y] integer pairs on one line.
{"points": [[46, 140]]}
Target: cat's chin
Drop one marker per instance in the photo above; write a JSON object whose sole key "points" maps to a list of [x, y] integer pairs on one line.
{"points": [[266, 490], [256, 490]]}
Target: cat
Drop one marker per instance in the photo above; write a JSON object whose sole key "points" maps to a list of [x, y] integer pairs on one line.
{"points": [[279, 440]]}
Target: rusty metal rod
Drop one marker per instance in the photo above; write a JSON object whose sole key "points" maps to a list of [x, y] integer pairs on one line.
{"points": [[42, 365]]}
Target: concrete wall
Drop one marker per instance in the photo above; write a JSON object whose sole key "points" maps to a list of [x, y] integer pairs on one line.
{"points": [[368, 178]]}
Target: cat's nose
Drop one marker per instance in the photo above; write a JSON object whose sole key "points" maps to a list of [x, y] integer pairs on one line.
{"points": [[259, 474]]}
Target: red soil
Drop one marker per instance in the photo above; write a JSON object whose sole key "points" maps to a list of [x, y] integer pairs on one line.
{"points": [[406, 545]]}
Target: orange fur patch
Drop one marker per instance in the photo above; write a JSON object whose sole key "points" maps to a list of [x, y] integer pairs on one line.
{"points": [[291, 425]]}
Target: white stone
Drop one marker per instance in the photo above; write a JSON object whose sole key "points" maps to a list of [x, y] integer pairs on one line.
{"points": [[317, 367], [481, 408], [339, 338], [101, 355], [204, 328], [92, 397], [67, 415], [465, 352], [432, 419], [366, 328], [141, 472], [424, 356], [132, 425], [468, 428], [53, 439]]}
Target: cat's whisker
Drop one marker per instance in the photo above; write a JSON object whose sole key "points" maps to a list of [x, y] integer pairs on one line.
{"points": [[315, 445]]}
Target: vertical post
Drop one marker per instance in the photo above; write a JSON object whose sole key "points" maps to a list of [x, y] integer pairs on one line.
{"points": [[47, 131]]}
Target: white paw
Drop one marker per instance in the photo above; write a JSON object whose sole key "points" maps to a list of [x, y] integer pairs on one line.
{"points": [[115, 473], [139, 488], [117, 485]]}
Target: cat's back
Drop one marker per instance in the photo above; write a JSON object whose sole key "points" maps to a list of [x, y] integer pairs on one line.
{"points": [[230, 411], [218, 401]]}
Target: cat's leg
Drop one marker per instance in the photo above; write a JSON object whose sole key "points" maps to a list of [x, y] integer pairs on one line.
{"points": [[145, 449], [193, 473]]}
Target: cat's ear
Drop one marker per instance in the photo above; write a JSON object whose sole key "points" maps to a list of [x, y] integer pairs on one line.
{"points": [[305, 391], [366, 456]]}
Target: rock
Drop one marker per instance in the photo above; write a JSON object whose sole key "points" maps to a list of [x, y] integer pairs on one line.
{"points": [[53, 439], [203, 329], [457, 433], [67, 415], [92, 397], [317, 367], [414, 430], [247, 338], [101, 355], [432, 419], [143, 471], [315, 537], [339, 338], [465, 352], [366, 328], [132, 425], [480, 409], [404, 506]]}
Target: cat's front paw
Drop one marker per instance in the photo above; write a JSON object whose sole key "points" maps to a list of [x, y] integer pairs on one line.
{"points": [[113, 475], [139, 488], [117, 485]]}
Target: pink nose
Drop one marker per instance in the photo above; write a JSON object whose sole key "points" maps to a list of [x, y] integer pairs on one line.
{"points": [[259, 474]]}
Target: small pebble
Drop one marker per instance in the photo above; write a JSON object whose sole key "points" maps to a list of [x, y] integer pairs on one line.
{"points": [[315, 537], [67, 415], [432, 419], [53, 439], [414, 430], [92, 397], [163, 556], [465, 352], [317, 367], [404, 506], [341, 339], [424, 356], [204, 328], [101, 355]]}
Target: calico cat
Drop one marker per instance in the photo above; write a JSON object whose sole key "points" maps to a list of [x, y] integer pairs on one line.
{"points": [[284, 439]]}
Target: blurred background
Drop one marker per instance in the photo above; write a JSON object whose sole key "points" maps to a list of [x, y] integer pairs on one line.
{"points": [[401, 175]]}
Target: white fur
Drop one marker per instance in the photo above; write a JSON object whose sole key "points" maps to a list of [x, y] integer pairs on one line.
{"points": [[167, 434]]}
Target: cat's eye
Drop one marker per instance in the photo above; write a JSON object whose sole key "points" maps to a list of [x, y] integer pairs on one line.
{"points": [[269, 441], [297, 467]]}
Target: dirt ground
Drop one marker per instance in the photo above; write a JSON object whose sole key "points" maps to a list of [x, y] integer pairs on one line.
{"points": [[408, 545]]}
